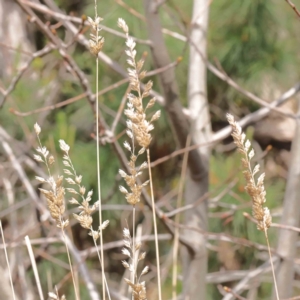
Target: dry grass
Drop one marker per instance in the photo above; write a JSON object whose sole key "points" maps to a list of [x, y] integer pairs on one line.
{"points": [[54, 195], [96, 43], [138, 131], [255, 188], [139, 127]]}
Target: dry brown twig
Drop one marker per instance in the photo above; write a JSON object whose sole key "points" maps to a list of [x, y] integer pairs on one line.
{"points": [[277, 225], [61, 47], [77, 20], [229, 290], [293, 7], [6, 92], [83, 95]]}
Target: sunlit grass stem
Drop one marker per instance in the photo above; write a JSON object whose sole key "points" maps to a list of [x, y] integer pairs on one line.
{"points": [[155, 227], [177, 217]]}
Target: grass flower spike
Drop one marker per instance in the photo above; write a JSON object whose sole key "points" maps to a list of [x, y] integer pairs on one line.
{"points": [[139, 127], [96, 41], [254, 188], [84, 217], [138, 288], [56, 192], [55, 197]]}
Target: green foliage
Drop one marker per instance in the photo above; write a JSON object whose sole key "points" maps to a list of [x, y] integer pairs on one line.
{"points": [[251, 41], [246, 41]]}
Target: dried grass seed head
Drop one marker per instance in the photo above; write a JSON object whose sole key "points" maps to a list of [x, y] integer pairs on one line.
{"points": [[256, 190], [134, 196], [96, 41], [53, 296], [85, 215], [138, 290], [37, 128], [55, 194], [122, 24], [55, 201], [136, 113], [64, 146]]}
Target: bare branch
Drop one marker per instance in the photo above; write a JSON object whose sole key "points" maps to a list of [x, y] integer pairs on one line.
{"points": [[242, 285], [258, 115], [290, 216], [293, 7], [47, 49]]}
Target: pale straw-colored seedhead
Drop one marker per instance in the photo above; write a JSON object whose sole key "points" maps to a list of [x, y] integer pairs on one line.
{"points": [[56, 192], [138, 126], [84, 217], [53, 296], [96, 41], [255, 189], [129, 250]]}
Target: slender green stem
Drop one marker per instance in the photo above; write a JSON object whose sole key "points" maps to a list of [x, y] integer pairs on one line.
{"points": [[155, 227]]}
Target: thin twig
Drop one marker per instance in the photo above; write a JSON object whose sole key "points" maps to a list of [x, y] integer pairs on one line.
{"points": [[293, 7], [47, 49], [120, 110], [276, 225], [83, 95], [44, 9], [7, 261], [242, 285], [229, 290]]}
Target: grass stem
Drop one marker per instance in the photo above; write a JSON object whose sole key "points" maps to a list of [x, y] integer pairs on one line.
{"points": [[177, 217], [34, 267], [7, 261], [70, 264], [155, 227], [272, 265]]}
